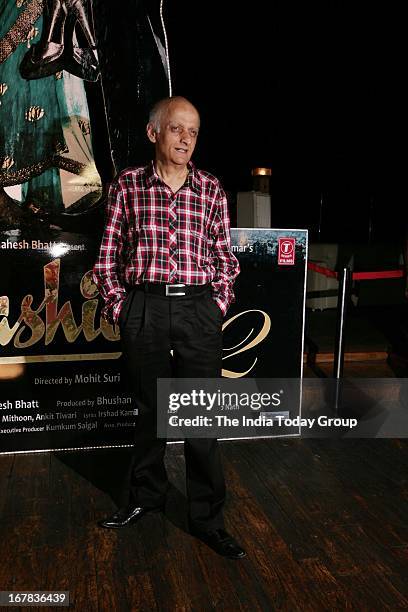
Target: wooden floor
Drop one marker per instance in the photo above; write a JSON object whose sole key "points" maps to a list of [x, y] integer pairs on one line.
{"points": [[324, 524], [357, 366]]}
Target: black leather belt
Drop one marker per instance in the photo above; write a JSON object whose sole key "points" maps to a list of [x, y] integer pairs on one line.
{"points": [[176, 289]]}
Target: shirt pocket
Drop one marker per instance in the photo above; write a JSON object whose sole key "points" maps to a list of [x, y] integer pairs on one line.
{"points": [[149, 238], [197, 223], [199, 247]]}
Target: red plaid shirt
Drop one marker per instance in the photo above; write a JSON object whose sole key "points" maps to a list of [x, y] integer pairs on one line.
{"points": [[153, 235]]}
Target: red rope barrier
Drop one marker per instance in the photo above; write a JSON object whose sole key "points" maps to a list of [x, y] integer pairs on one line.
{"points": [[321, 270], [357, 275], [381, 274]]}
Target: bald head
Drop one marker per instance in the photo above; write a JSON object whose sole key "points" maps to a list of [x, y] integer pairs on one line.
{"points": [[162, 108]]}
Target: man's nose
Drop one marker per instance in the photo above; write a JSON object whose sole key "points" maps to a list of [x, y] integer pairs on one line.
{"points": [[185, 137]]}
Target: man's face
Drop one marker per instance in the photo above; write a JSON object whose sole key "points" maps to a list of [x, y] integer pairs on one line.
{"points": [[176, 140]]}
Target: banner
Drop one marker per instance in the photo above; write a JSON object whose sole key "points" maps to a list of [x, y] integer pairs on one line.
{"points": [[73, 113], [63, 383]]}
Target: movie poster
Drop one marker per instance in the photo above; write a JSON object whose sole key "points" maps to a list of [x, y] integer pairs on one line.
{"points": [[63, 384], [73, 110]]}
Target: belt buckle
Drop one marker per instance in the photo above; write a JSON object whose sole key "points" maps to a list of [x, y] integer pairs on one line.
{"points": [[168, 287]]}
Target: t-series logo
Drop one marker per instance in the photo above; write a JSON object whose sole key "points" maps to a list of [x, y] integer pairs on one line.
{"points": [[286, 251]]}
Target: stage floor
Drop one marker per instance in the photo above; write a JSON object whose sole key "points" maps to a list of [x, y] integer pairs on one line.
{"points": [[323, 522], [375, 341], [367, 329]]}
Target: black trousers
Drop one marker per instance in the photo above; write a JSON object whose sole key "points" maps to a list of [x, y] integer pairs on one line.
{"points": [[151, 326]]}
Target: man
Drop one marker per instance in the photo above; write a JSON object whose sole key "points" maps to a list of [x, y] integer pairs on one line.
{"points": [[166, 270]]}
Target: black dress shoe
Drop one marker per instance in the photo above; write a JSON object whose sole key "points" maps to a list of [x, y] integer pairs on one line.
{"points": [[126, 516], [221, 542]]}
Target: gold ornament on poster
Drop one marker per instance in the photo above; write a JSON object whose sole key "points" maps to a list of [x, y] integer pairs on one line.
{"points": [[34, 113], [32, 34], [3, 89], [6, 162], [84, 127]]}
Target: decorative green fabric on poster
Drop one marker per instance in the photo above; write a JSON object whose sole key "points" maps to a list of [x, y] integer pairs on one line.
{"points": [[44, 122]]}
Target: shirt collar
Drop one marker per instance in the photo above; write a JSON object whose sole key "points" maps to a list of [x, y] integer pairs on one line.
{"points": [[193, 180], [151, 176]]}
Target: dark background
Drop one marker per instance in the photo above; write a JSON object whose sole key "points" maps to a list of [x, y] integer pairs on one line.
{"points": [[310, 90]]}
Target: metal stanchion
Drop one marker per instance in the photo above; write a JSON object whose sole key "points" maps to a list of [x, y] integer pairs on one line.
{"points": [[344, 293]]}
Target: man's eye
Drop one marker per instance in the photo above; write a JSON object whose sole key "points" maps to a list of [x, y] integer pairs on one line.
{"points": [[193, 133], [175, 128]]}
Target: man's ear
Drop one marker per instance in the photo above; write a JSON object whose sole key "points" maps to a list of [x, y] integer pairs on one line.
{"points": [[151, 132]]}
